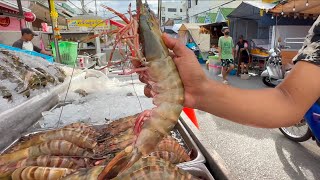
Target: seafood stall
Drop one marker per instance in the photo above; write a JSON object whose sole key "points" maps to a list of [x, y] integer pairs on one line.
{"points": [[68, 123]]}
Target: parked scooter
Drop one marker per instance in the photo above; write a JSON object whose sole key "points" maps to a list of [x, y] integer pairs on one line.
{"points": [[275, 72]]}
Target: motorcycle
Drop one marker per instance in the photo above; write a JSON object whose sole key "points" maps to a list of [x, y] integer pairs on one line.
{"points": [[308, 127], [275, 71]]}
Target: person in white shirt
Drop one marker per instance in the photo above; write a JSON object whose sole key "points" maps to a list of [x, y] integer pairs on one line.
{"points": [[25, 42]]}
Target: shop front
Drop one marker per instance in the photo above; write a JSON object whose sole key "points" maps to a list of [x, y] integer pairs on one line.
{"points": [[292, 37], [10, 19]]}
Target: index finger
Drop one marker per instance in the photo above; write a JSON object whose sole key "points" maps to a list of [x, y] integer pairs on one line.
{"points": [[174, 44]]}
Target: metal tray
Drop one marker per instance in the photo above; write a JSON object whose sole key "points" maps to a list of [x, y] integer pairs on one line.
{"points": [[196, 156], [198, 170]]}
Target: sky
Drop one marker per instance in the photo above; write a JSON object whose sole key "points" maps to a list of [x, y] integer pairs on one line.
{"points": [[119, 5]]}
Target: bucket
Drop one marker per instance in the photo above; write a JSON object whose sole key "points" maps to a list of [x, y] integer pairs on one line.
{"points": [[214, 65], [68, 52]]}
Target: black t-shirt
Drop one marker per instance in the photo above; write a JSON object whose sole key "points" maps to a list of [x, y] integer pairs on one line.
{"points": [[242, 45], [310, 51], [19, 44], [311, 47]]}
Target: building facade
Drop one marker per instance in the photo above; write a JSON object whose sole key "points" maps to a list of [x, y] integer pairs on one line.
{"points": [[174, 11]]}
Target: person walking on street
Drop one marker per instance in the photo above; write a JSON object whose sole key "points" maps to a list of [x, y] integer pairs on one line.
{"points": [[226, 53]]}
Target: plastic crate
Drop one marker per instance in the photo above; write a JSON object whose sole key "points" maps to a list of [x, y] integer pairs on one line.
{"points": [[68, 52]]}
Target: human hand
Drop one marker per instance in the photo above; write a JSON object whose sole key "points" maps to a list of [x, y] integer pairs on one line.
{"points": [[190, 71]]}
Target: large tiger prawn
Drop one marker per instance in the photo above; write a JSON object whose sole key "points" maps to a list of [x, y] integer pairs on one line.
{"points": [[159, 72]]}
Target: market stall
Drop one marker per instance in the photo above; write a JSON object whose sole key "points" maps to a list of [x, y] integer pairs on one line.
{"points": [[71, 122], [292, 37], [214, 30], [263, 29]]}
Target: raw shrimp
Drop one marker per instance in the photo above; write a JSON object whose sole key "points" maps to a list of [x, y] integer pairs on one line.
{"points": [[161, 74]]}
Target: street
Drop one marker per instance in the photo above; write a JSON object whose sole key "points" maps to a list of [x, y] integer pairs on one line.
{"points": [[253, 153]]}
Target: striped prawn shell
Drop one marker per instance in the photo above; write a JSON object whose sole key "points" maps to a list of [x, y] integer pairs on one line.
{"points": [[168, 156], [54, 147], [85, 174], [84, 128], [155, 169], [69, 135], [40, 173], [113, 148], [116, 127], [170, 149], [43, 161]]}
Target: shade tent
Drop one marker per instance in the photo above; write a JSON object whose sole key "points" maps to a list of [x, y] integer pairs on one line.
{"points": [[192, 30], [298, 6], [176, 27], [250, 10]]}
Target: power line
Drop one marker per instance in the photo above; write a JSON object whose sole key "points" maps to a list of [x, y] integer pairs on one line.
{"points": [[214, 7]]}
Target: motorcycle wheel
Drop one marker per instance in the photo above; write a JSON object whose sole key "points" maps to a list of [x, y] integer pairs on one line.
{"points": [[298, 133], [267, 82]]}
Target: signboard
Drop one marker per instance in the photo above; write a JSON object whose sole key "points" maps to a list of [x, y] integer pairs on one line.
{"points": [[8, 11], [4, 21], [87, 23]]}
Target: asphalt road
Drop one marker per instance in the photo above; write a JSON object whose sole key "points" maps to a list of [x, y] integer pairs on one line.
{"points": [[253, 153]]}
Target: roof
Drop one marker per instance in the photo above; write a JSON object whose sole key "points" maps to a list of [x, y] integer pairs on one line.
{"points": [[300, 7], [13, 4], [169, 22], [212, 17], [208, 18], [190, 26], [226, 11], [201, 19], [222, 24], [176, 27], [250, 10]]}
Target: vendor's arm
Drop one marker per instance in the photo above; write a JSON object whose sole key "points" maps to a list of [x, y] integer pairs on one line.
{"points": [[39, 50], [269, 108], [284, 105], [237, 50]]}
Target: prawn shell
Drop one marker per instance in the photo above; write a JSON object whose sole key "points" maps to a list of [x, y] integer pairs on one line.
{"points": [[40, 173]]}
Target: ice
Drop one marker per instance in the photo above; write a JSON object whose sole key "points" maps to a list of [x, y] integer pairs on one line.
{"points": [[107, 99], [32, 62]]}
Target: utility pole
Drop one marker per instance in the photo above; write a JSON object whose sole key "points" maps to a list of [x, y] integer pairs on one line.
{"points": [[187, 9], [95, 5], [82, 6], [159, 11]]}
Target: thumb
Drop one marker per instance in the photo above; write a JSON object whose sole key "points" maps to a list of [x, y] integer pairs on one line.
{"points": [[175, 45]]}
